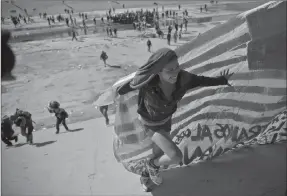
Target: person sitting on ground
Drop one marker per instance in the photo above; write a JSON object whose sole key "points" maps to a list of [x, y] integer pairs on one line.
{"points": [[7, 132], [104, 57], [23, 119], [162, 84], [60, 113]]}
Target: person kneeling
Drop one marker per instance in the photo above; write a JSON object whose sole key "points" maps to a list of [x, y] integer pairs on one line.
{"points": [[7, 132]]}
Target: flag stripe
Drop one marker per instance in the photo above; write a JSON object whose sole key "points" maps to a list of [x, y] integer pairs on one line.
{"points": [[215, 51], [196, 94], [245, 105], [219, 64]]}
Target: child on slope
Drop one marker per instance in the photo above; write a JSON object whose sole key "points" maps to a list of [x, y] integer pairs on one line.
{"points": [[60, 113]]}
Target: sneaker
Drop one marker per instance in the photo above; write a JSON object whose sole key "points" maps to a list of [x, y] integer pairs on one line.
{"points": [[146, 183], [164, 167], [107, 121], [8, 145], [57, 132], [30, 139], [153, 173]]}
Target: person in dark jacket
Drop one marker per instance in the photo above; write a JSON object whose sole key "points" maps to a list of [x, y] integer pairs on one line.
{"points": [[23, 119], [74, 35], [162, 84], [168, 37], [7, 132], [104, 57], [115, 32], [60, 113], [148, 45]]}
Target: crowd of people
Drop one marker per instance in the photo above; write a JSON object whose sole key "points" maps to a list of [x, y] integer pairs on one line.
{"points": [[18, 20], [131, 17]]}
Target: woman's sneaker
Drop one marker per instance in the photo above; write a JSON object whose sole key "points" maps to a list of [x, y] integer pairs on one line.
{"points": [[146, 183], [153, 173]]}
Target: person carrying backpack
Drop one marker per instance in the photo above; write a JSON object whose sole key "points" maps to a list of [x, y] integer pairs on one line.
{"points": [[60, 113], [23, 119], [104, 57]]}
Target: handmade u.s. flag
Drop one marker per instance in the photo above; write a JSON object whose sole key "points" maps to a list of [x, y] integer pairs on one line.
{"points": [[212, 120]]}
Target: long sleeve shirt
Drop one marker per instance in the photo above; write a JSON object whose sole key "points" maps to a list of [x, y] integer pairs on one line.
{"points": [[153, 106]]}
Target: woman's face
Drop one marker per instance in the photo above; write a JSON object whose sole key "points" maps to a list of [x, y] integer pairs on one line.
{"points": [[170, 72]]}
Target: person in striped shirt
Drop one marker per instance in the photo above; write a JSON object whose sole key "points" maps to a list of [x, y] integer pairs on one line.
{"points": [[162, 84]]}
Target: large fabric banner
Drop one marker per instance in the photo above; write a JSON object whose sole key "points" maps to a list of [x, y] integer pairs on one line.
{"points": [[212, 120]]}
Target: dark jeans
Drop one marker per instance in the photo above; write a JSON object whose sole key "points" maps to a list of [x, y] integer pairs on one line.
{"points": [[104, 110], [61, 121], [30, 128], [74, 37]]}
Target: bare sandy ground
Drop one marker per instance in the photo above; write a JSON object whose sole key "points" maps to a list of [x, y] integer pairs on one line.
{"points": [[82, 163]]}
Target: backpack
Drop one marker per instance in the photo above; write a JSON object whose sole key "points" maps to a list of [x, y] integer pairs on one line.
{"points": [[65, 114], [62, 113], [27, 115]]}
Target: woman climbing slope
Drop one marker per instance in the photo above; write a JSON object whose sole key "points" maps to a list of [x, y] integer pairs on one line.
{"points": [[162, 84]]}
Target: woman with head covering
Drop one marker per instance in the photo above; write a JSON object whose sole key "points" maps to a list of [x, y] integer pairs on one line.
{"points": [[162, 84]]}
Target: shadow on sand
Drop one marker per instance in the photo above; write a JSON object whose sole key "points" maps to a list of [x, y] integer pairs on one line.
{"points": [[244, 172], [44, 143], [72, 130], [17, 145], [114, 66]]}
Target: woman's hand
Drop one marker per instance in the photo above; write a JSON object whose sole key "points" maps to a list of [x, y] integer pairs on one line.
{"points": [[227, 75]]}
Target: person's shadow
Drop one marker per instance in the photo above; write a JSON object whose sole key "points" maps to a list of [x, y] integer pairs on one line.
{"points": [[73, 130], [114, 66], [43, 143], [19, 145]]}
